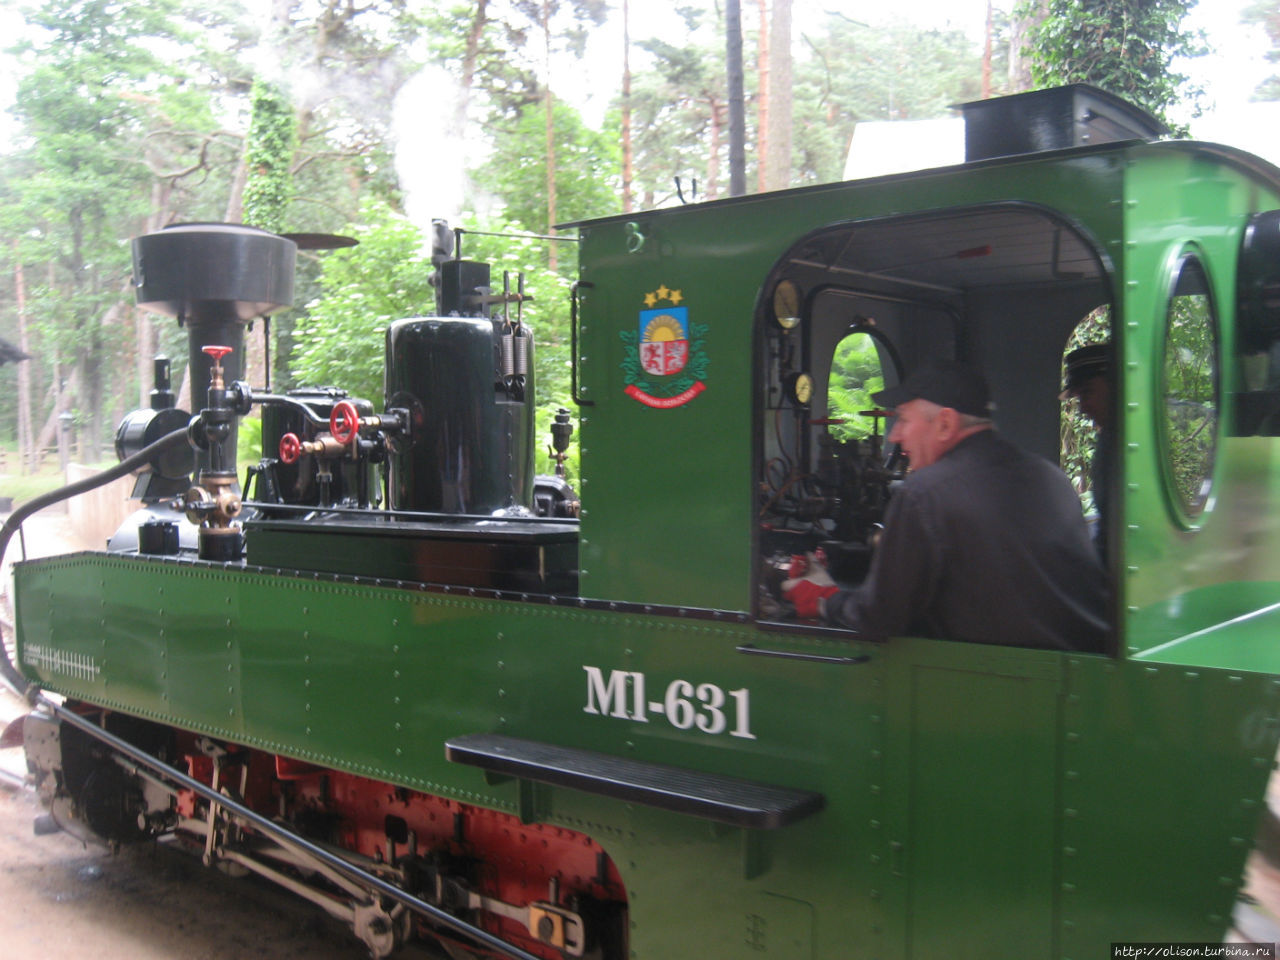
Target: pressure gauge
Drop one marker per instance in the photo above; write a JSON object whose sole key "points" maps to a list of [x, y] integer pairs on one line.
{"points": [[786, 304], [799, 387]]}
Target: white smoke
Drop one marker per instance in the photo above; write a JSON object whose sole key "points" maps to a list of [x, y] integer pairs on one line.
{"points": [[433, 157]]}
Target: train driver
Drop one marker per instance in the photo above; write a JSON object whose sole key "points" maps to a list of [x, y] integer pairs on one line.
{"points": [[1089, 385], [982, 542]]}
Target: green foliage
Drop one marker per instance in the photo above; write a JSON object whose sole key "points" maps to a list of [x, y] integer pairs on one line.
{"points": [[845, 72], [856, 373], [133, 116], [507, 84], [679, 119], [343, 65], [27, 487], [268, 156], [341, 340], [855, 72], [1266, 14], [249, 440], [91, 86], [565, 21], [587, 169], [1127, 47], [1079, 436], [1191, 396]]}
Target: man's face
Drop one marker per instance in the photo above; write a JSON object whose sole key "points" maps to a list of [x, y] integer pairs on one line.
{"points": [[1094, 399], [918, 431]]}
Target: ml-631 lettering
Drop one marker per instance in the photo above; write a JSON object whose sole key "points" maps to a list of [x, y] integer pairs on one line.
{"points": [[684, 704]]}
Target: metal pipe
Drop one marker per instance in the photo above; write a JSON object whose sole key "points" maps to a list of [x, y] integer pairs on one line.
{"points": [[9, 673], [280, 400]]}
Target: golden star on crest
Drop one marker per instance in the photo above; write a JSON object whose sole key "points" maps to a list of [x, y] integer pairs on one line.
{"points": [[663, 293]]}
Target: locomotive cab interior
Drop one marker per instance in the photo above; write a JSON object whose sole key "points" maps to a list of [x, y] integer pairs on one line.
{"points": [[853, 309]]}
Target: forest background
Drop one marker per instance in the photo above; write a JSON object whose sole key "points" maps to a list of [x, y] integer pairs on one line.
{"points": [[371, 117]]}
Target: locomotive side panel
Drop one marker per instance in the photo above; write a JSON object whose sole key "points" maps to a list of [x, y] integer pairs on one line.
{"points": [[661, 525], [281, 669], [1198, 551], [1154, 757], [972, 814]]}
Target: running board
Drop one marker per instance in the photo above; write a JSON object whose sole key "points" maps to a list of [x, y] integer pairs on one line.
{"points": [[708, 796]]}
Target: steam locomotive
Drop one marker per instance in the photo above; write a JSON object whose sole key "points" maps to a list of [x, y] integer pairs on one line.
{"points": [[401, 674]]}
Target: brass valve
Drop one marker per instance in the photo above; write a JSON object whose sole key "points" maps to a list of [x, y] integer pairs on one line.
{"points": [[213, 504], [292, 447]]}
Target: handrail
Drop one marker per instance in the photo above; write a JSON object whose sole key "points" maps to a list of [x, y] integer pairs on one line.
{"points": [[573, 344]]}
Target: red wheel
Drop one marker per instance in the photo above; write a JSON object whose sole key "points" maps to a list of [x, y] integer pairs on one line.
{"points": [[216, 352], [290, 448], [344, 422]]}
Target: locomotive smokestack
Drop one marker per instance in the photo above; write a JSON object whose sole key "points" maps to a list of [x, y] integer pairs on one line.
{"points": [[214, 278]]}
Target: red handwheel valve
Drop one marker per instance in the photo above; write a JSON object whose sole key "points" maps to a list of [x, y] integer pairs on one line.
{"points": [[217, 352], [215, 374], [344, 421], [290, 448]]}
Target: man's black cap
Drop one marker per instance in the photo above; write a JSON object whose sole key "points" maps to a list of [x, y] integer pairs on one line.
{"points": [[947, 383], [1085, 363]]}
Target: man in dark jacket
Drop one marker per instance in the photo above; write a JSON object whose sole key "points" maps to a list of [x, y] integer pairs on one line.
{"points": [[1089, 384], [983, 541]]}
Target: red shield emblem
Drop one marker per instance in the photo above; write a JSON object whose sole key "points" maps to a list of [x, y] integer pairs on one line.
{"points": [[664, 340], [664, 357]]}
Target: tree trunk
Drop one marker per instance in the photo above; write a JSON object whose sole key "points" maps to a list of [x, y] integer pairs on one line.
{"points": [[472, 53], [235, 202], [1020, 32], [89, 435], [144, 324], [64, 396], [986, 55], [778, 159], [737, 116], [712, 190], [627, 171], [24, 374], [762, 98], [551, 139]]}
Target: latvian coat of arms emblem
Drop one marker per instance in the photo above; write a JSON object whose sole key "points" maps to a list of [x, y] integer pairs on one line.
{"points": [[665, 358]]}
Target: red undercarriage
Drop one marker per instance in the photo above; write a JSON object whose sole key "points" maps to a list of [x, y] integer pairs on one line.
{"points": [[494, 853]]}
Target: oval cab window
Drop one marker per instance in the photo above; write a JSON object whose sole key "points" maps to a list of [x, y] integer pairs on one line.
{"points": [[864, 363], [1189, 383]]}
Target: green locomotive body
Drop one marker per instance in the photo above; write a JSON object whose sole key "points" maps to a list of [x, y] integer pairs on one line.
{"points": [[751, 784]]}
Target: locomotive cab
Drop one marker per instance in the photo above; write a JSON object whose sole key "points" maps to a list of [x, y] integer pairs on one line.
{"points": [[849, 309]]}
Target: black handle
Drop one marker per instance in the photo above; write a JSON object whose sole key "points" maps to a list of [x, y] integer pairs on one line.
{"points": [[752, 650], [573, 344]]}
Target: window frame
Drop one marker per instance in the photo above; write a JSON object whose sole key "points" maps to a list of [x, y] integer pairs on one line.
{"points": [[1188, 515]]}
